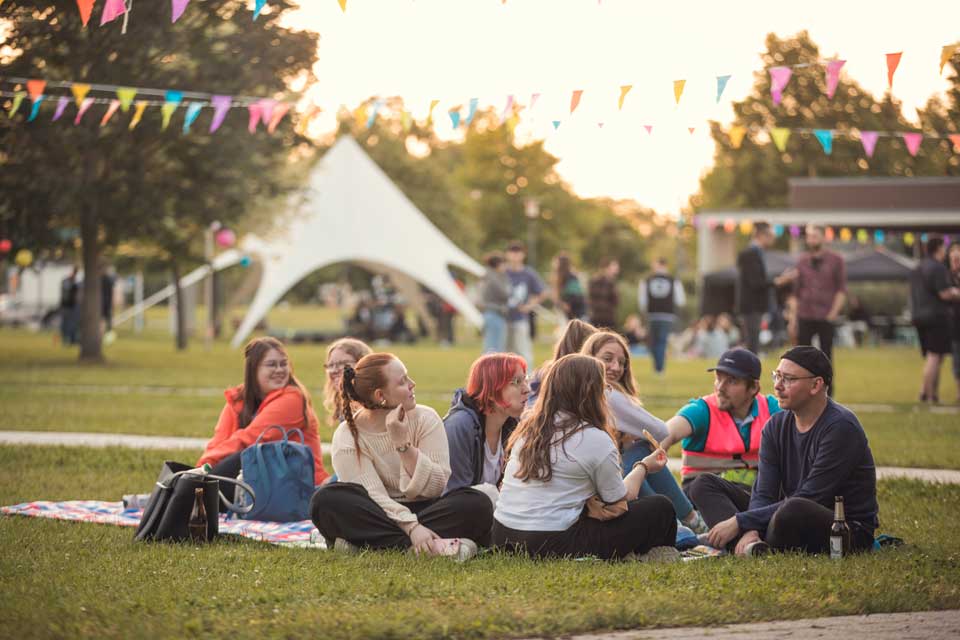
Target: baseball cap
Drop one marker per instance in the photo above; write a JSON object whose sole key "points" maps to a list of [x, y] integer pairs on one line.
{"points": [[739, 362]]}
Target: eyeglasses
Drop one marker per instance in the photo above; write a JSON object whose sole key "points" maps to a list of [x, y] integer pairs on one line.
{"points": [[337, 366], [787, 380], [519, 381]]}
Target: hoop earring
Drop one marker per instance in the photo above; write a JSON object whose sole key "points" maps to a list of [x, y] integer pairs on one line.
{"points": [[383, 402]]}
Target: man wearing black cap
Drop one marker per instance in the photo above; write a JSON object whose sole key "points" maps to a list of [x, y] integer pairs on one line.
{"points": [[720, 435], [812, 451]]}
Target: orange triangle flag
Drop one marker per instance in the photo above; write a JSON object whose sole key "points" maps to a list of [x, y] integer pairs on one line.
{"points": [[678, 89], [955, 139], [35, 88], [893, 60], [575, 100], [624, 90], [946, 53], [736, 133], [86, 8]]}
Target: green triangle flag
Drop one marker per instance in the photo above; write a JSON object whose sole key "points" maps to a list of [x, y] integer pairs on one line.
{"points": [[780, 136], [126, 95]]}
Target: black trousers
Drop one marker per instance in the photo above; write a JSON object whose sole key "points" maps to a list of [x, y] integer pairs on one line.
{"points": [[801, 524], [717, 499], [751, 330], [649, 522], [345, 510], [806, 329]]}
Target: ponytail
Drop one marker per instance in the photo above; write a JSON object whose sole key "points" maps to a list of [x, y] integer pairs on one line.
{"points": [[347, 394]]}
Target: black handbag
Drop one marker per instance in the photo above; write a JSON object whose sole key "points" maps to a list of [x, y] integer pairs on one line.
{"points": [[167, 514]]}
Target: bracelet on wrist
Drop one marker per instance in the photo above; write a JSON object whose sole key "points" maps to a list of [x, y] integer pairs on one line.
{"points": [[403, 448], [641, 463]]}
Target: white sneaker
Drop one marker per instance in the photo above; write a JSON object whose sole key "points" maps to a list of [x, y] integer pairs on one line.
{"points": [[660, 555], [460, 549], [345, 547]]}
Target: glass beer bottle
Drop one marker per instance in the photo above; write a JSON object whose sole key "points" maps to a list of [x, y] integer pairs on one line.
{"points": [[198, 518], [839, 531]]}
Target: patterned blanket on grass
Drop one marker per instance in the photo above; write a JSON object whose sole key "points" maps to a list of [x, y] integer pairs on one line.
{"points": [[292, 534]]}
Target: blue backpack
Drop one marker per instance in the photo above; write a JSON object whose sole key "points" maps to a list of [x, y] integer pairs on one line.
{"points": [[281, 474]]}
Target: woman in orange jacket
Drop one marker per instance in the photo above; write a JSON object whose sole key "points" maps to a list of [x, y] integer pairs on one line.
{"points": [[270, 395]]}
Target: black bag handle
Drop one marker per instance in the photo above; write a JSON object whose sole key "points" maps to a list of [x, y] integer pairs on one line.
{"points": [[167, 485]]}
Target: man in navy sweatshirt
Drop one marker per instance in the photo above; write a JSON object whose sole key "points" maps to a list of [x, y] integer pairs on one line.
{"points": [[812, 451]]}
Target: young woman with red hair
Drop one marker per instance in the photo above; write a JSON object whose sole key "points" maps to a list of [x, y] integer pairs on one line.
{"points": [[482, 417]]}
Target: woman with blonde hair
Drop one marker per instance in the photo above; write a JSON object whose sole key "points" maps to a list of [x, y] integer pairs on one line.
{"points": [[562, 492], [392, 462], [341, 353], [630, 418]]}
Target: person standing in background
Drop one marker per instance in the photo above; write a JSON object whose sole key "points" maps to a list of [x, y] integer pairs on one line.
{"points": [[494, 296], [567, 290], [659, 296], [603, 296], [820, 287], [526, 291], [70, 308], [953, 263], [753, 290]]}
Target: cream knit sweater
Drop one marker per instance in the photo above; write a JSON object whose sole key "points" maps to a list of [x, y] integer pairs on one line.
{"points": [[381, 471]]}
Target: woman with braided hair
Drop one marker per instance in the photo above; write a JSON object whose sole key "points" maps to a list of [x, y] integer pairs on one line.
{"points": [[391, 458]]}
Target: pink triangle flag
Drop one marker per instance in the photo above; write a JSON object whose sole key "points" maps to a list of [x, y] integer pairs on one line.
{"points": [[177, 8], [112, 109], [955, 139], [82, 110], [833, 76], [575, 100], [278, 112], [221, 104], [893, 60], [649, 128], [62, 103], [112, 10], [691, 130], [266, 109], [506, 109], [779, 77], [869, 141], [533, 100], [913, 141], [255, 115]]}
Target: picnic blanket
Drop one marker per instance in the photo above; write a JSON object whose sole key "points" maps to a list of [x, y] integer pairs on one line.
{"points": [[289, 534]]}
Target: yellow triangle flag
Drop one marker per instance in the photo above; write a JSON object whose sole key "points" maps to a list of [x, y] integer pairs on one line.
{"points": [[360, 116], [343, 5], [433, 105], [166, 111], [946, 53], [736, 134], [678, 89], [137, 113], [405, 121], [624, 90], [80, 92], [780, 136], [126, 95]]}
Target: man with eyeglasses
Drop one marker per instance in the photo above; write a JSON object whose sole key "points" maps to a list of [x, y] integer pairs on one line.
{"points": [[811, 452], [720, 435]]}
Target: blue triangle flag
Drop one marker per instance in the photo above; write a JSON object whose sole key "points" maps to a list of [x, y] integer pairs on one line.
{"points": [[556, 125], [825, 136], [36, 108], [193, 110], [257, 8], [473, 110], [455, 118], [721, 85]]}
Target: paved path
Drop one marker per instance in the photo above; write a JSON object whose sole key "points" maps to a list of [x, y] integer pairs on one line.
{"points": [[69, 439], [880, 626]]}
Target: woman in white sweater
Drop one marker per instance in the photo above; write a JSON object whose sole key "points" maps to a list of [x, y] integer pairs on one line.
{"points": [[562, 493], [392, 462]]}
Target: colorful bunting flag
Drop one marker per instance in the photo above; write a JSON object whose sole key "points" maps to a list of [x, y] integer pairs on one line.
{"points": [[193, 111], [112, 109], [846, 234], [908, 238], [721, 85], [311, 113], [869, 141], [472, 111], [533, 100], [405, 121], [84, 105], [35, 88], [955, 139], [649, 128], [737, 133], [172, 100], [35, 109], [267, 106], [678, 86], [779, 78], [177, 8], [454, 117], [86, 8], [80, 91], [359, 116], [825, 137], [833, 76], [258, 7], [112, 10], [780, 135], [691, 130], [624, 90], [62, 103], [946, 53], [913, 141], [507, 109], [126, 95], [371, 115], [278, 112], [254, 110], [862, 236], [343, 5], [575, 100], [893, 60], [433, 105], [556, 125], [221, 105], [137, 114]]}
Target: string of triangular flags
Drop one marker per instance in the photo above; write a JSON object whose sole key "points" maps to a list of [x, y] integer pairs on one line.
{"points": [[844, 234], [268, 111], [780, 136]]}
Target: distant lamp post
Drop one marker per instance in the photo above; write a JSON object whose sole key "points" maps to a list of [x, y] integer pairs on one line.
{"points": [[531, 208]]}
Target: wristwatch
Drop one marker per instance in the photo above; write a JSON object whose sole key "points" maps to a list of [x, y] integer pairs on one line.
{"points": [[402, 448]]}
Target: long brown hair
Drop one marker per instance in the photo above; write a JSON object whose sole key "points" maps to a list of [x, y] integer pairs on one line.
{"points": [[626, 384], [332, 396], [253, 355], [358, 385], [574, 335], [571, 399]]}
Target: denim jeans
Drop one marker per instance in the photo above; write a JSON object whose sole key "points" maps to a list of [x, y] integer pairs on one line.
{"points": [[494, 332], [659, 332], [661, 482]]}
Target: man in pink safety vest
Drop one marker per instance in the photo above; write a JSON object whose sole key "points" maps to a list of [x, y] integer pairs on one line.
{"points": [[720, 436]]}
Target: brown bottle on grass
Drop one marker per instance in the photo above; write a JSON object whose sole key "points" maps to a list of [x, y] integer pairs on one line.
{"points": [[839, 531], [198, 518]]}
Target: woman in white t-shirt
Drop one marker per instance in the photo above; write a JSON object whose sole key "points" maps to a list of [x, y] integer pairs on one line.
{"points": [[563, 454]]}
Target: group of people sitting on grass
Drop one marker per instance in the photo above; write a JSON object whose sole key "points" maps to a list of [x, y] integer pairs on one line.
{"points": [[555, 463]]}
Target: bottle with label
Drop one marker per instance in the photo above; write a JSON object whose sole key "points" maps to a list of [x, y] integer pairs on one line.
{"points": [[198, 518], [839, 531]]}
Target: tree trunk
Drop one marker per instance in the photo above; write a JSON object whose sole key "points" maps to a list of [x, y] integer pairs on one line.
{"points": [[181, 323], [90, 338]]}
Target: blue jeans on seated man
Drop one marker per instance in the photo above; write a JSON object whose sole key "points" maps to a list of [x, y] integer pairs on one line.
{"points": [[661, 482]]}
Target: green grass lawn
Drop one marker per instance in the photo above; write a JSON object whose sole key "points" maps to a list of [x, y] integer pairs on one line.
{"points": [[69, 579]]}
